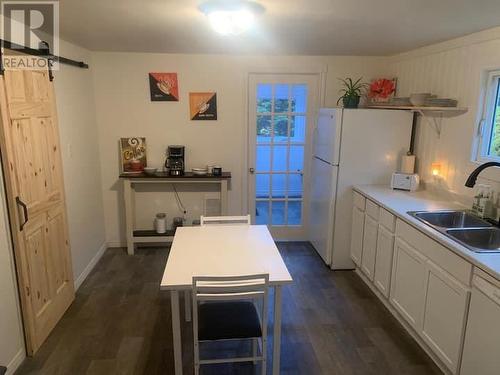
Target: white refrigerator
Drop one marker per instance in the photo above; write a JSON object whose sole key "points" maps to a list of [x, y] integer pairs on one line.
{"points": [[350, 147]]}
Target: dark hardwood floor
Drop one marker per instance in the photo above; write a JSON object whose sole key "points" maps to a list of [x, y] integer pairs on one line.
{"points": [[120, 324]]}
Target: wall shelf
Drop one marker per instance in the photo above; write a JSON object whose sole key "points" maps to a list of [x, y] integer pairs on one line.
{"points": [[432, 115]]}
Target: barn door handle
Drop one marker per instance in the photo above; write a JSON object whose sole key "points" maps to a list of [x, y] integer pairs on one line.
{"points": [[25, 211]]}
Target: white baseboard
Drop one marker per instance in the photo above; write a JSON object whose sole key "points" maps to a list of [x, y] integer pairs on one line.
{"points": [[79, 281], [16, 362], [116, 244]]}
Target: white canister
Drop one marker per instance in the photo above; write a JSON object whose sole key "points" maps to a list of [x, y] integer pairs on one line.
{"points": [[161, 222]]}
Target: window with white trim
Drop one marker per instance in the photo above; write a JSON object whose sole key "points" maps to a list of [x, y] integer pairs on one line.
{"points": [[489, 129]]}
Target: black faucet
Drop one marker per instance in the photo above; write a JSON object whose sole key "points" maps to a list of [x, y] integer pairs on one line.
{"points": [[471, 181]]}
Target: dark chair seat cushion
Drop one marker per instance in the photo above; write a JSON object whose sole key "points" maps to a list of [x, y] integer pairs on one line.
{"points": [[228, 320]]}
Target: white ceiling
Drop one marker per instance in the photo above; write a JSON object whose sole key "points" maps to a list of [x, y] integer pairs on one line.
{"points": [[304, 27]]}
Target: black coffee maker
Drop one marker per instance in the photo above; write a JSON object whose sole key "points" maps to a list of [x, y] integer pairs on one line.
{"points": [[175, 160]]}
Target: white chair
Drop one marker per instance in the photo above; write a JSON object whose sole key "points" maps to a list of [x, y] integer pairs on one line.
{"points": [[226, 220], [224, 308]]}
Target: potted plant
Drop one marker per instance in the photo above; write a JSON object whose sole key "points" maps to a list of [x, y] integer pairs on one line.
{"points": [[351, 92]]}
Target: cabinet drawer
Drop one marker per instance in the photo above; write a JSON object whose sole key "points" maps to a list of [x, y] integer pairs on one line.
{"points": [[388, 220], [372, 209], [359, 201], [440, 255]]}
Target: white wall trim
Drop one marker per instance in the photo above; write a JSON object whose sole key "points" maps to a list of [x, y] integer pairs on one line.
{"points": [[79, 281], [16, 362]]}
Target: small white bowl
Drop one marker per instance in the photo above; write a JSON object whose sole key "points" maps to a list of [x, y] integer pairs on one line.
{"points": [[150, 170], [418, 100], [199, 171]]}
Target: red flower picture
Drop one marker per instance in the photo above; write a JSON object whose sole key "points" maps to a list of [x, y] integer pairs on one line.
{"points": [[381, 90]]}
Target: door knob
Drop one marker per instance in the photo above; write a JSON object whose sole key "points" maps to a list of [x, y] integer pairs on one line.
{"points": [[251, 170]]}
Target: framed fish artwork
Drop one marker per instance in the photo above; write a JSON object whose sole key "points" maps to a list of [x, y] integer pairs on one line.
{"points": [[203, 106], [164, 87]]}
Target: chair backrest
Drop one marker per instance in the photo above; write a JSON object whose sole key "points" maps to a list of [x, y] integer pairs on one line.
{"points": [[225, 220], [230, 288]]}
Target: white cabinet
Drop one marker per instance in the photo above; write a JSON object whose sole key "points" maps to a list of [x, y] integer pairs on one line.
{"points": [[383, 260], [408, 283], [482, 339], [444, 315], [369, 247], [426, 284], [358, 222]]}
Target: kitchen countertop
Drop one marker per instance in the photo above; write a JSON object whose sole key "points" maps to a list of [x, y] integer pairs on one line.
{"points": [[400, 202]]}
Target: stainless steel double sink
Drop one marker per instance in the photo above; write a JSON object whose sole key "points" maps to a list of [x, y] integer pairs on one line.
{"points": [[464, 227]]}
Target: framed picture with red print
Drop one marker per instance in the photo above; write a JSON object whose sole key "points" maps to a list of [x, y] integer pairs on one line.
{"points": [[164, 87]]}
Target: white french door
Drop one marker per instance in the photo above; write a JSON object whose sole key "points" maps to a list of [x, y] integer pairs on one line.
{"points": [[281, 114]]}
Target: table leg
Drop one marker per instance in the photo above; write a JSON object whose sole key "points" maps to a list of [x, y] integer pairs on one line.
{"points": [[176, 331], [277, 330], [223, 197], [128, 196], [187, 305]]}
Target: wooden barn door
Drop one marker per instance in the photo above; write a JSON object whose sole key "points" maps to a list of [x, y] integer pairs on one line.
{"points": [[33, 176]]}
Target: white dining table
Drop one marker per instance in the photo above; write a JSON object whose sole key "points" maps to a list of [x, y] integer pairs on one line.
{"points": [[222, 250]]}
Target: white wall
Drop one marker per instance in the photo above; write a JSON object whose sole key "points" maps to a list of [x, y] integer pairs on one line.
{"points": [[11, 333], [81, 162], [450, 69], [124, 109]]}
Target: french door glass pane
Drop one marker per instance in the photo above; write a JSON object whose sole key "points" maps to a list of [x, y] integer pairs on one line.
{"points": [[280, 127], [294, 186], [278, 212], [263, 129], [298, 129], [296, 158], [278, 186], [264, 98], [262, 185], [262, 212], [299, 98], [281, 95], [294, 212], [263, 159], [279, 158]]}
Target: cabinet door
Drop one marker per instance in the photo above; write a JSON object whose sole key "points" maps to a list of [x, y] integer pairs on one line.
{"points": [[444, 315], [408, 283], [358, 220], [369, 247], [383, 260]]}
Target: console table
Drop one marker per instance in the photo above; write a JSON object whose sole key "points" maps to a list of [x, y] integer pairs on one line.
{"points": [[150, 236]]}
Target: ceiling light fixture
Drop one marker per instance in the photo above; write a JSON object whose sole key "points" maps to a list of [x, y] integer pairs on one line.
{"points": [[231, 17]]}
